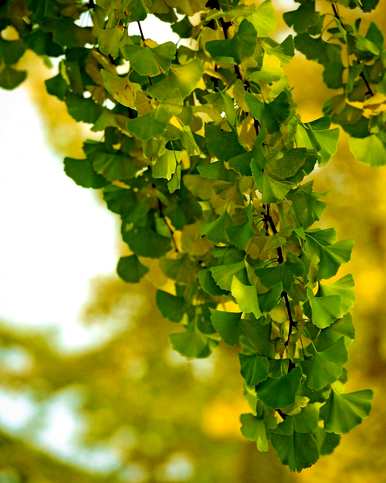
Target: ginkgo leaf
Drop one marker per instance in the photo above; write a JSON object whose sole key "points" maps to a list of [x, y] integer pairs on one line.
{"points": [[145, 127], [325, 309], [190, 344], [165, 166], [280, 392], [253, 429], [223, 274], [254, 368], [326, 366], [83, 173], [342, 327], [148, 61], [227, 325], [145, 242], [121, 89], [114, 166], [85, 110], [11, 50], [130, 269], [342, 412], [344, 288], [370, 150], [171, 306], [180, 81], [297, 450], [246, 297]]}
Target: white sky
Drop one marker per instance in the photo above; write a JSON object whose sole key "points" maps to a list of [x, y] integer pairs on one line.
{"points": [[55, 237]]}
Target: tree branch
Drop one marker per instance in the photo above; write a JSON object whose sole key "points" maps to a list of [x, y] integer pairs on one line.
{"points": [[268, 222]]}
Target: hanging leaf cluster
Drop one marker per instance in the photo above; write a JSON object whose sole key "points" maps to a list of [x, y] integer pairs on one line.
{"points": [[206, 161]]}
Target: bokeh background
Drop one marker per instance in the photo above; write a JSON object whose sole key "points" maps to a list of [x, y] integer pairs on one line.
{"points": [[90, 390]]}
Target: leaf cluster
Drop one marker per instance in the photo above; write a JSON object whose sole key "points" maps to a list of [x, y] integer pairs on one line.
{"points": [[206, 161]]}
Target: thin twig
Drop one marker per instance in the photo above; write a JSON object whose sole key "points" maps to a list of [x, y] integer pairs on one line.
{"points": [[268, 221], [141, 31]]}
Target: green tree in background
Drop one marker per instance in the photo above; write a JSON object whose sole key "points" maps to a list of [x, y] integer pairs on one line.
{"points": [[208, 163]]}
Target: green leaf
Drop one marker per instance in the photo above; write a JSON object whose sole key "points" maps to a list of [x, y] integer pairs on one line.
{"points": [[11, 78], [222, 144], [135, 10], [146, 127], [325, 367], [304, 19], [11, 50], [369, 150], [170, 306], [325, 53], [130, 269], [273, 190], [223, 274], [235, 50], [325, 309], [344, 288], [270, 299], [183, 28], [145, 242], [208, 284], [166, 165], [114, 166], [327, 441], [307, 421], [227, 324], [273, 114], [290, 163], [342, 412], [324, 141], [215, 230], [57, 86], [280, 392], [84, 110], [109, 40], [240, 235], [83, 173], [342, 327], [297, 450], [179, 83], [246, 297], [150, 61], [120, 88], [253, 429], [331, 255], [254, 368], [190, 344], [256, 337], [67, 34], [263, 18], [306, 205]]}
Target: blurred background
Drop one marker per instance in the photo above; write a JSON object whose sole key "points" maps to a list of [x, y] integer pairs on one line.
{"points": [[90, 390]]}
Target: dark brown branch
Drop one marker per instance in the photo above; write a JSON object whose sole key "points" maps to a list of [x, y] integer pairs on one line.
{"points": [[369, 92], [268, 222], [141, 31]]}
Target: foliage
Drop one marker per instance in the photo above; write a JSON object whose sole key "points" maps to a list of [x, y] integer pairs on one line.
{"points": [[204, 157]]}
